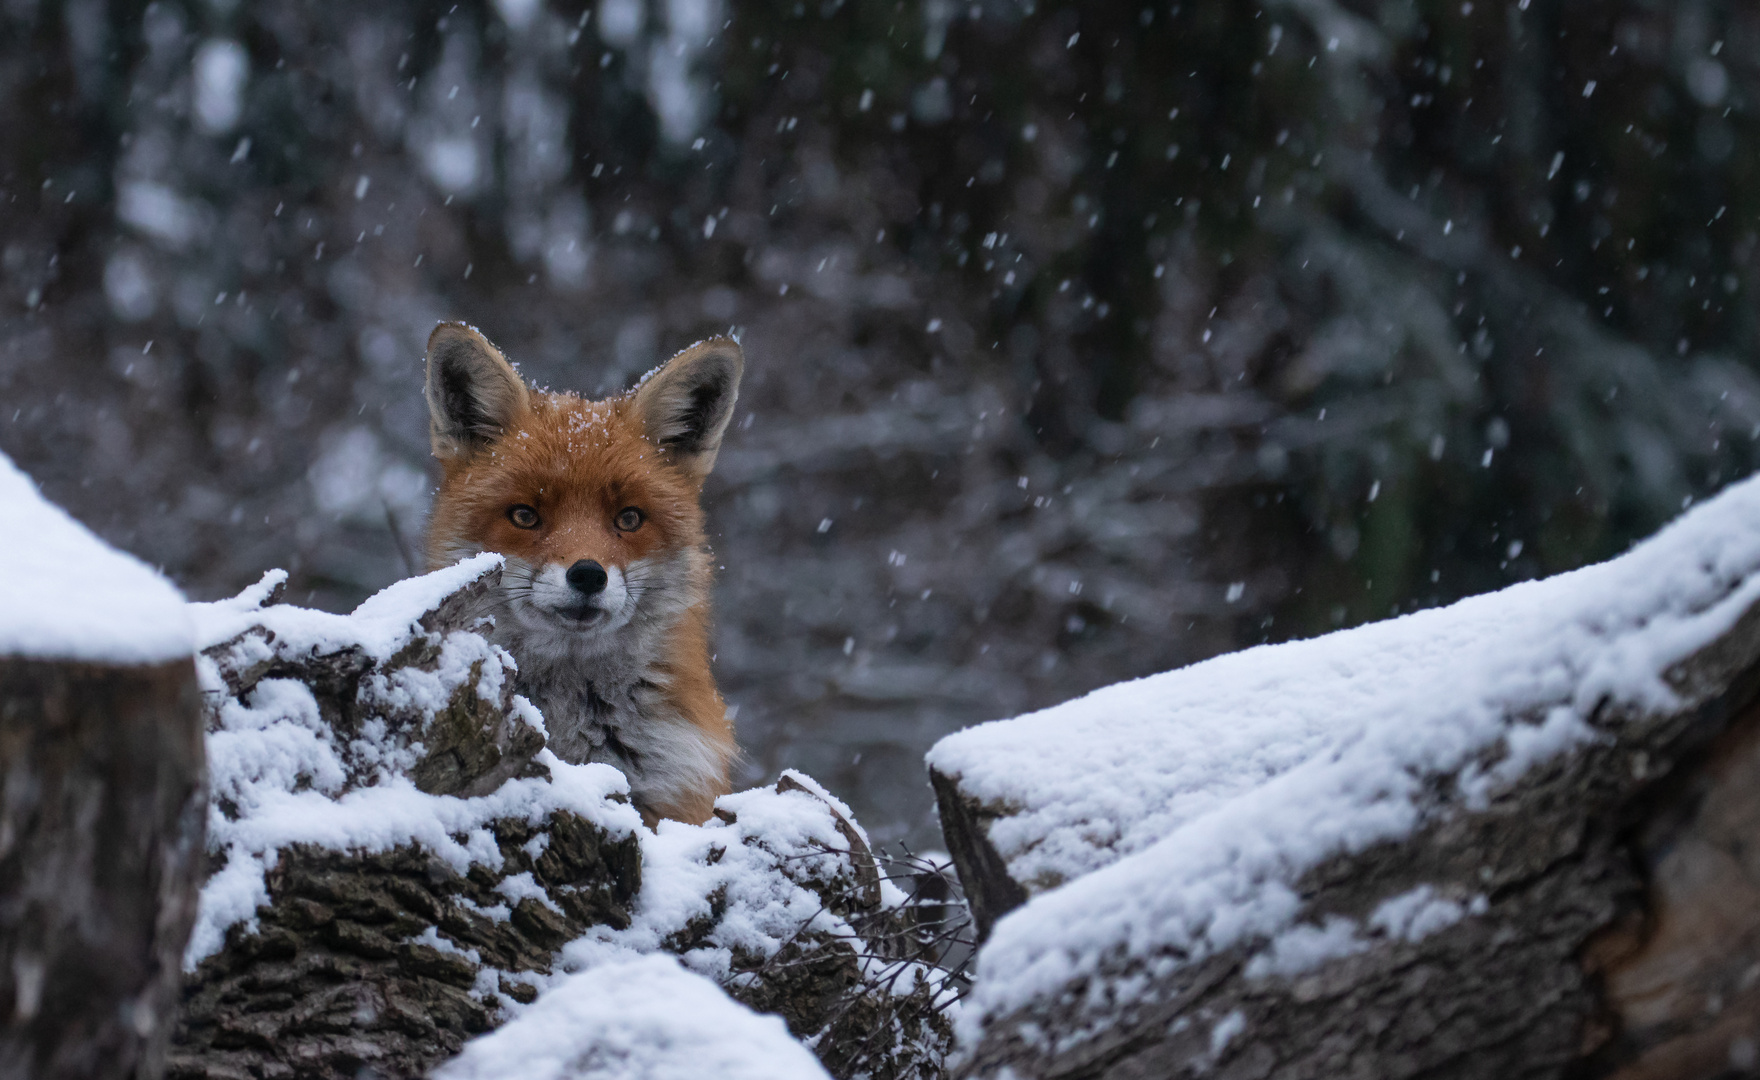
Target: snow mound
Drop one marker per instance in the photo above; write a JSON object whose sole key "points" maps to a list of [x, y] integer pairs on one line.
{"points": [[66, 595], [641, 1018], [1168, 818]]}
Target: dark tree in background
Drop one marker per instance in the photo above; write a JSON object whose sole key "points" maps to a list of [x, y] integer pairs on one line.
{"points": [[1085, 340]]}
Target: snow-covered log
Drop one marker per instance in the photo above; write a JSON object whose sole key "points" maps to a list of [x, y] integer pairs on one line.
{"points": [[1515, 836], [101, 790], [400, 864]]}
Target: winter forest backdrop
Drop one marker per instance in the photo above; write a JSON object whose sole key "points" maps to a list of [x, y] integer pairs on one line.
{"points": [[1084, 340]]}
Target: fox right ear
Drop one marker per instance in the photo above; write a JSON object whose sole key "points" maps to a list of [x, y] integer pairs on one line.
{"points": [[685, 403], [474, 395]]}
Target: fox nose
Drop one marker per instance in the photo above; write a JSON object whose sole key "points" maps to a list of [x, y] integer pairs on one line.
{"points": [[587, 577]]}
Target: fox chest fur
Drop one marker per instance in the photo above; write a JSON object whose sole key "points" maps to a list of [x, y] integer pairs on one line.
{"points": [[604, 597]]}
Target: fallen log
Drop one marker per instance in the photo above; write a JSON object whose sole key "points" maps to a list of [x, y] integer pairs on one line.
{"points": [[1511, 837]]}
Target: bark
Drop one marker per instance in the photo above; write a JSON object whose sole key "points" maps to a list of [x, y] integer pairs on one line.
{"points": [[1619, 934], [102, 797], [965, 824], [329, 984]]}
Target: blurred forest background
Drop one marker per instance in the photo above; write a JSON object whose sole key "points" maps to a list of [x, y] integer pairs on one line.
{"points": [[1084, 340]]}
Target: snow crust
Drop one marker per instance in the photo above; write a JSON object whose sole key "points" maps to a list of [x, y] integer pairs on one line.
{"points": [[1166, 818], [66, 595], [641, 1018]]}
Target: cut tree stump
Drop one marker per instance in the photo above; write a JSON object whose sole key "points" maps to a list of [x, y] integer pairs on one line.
{"points": [[102, 800]]}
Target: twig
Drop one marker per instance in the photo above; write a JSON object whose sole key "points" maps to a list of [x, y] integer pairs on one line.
{"points": [[409, 562]]}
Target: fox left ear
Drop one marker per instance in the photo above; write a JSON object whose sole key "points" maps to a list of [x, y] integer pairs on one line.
{"points": [[474, 395], [685, 405]]}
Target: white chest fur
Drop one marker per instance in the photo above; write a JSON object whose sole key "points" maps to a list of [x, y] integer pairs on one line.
{"points": [[613, 708]]}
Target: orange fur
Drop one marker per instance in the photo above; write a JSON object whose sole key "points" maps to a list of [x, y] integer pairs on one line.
{"points": [[579, 463]]}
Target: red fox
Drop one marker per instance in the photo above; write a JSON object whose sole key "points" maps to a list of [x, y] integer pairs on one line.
{"points": [[604, 600]]}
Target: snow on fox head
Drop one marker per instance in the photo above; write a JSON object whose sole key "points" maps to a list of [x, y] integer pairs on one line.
{"points": [[594, 503]]}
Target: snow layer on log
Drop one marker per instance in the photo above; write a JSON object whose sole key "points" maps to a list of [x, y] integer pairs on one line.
{"points": [[281, 773], [66, 595], [383, 623], [1186, 804], [644, 1018]]}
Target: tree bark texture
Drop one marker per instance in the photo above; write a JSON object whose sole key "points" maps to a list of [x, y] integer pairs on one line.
{"points": [[965, 823], [1615, 929], [329, 985], [102, 818]]}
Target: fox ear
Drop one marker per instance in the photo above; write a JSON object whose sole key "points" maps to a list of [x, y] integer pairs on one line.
{"points": [[474, 395], [686, 403]]}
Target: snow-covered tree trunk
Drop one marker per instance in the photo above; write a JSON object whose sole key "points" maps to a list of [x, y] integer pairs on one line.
{"points": [[1513, 838], [102, 791]]}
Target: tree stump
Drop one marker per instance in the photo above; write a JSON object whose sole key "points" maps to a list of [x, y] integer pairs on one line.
{"points": [[102, 799]]}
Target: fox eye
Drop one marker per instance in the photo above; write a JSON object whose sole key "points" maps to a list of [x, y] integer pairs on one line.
{"points": [[629, 519], [523, 516]]}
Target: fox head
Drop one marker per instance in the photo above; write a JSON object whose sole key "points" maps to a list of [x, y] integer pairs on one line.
{"points": [[595, 504]]}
